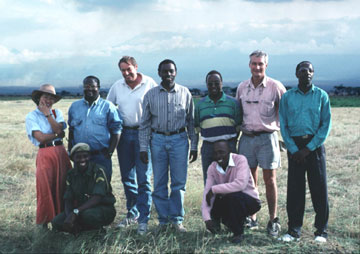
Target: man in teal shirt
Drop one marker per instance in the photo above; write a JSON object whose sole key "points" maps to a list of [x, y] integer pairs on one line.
{"points": [[305, 121]]}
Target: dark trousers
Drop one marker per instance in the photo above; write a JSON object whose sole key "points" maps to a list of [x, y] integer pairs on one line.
{"points": [[232, 209], [315, 167], [92, 218]]}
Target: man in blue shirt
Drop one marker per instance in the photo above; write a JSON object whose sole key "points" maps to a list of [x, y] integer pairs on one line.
{"points": [[305, 121], [95, 121]]}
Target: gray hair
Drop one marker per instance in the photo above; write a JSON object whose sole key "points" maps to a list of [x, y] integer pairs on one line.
{"points": [[259, 53]]}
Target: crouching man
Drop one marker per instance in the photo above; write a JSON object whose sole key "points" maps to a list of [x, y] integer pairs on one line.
{"points": [[89, 202], [230, 193]]}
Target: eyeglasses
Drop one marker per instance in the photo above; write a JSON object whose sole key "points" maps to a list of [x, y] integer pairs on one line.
{"points": [[90, 86]]}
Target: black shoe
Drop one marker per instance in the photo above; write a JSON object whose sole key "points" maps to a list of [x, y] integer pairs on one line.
{"points": [[237, 239]]}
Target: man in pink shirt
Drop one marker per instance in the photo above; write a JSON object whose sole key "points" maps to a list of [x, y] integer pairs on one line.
{"points": [[260, 97], [230, 193]]}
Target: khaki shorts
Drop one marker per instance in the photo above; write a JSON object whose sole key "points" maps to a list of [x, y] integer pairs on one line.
{"points": [[262, 150]]}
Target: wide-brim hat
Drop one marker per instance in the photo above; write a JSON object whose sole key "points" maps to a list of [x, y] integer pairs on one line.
{"points": [[48, 89]]}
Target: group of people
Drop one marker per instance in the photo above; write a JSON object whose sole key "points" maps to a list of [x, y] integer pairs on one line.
{"points": [[150, 125]]}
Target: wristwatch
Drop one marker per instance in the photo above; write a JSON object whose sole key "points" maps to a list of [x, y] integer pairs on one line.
{"points": [[76, 212]]}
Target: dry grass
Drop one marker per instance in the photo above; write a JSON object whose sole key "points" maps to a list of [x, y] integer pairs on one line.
{"points": [[18, 232]]}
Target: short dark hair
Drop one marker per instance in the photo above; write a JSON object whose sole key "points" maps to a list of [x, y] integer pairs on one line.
{"points": [[211, 73], [303, 62], [166, 61], [128, 59], [97, 81]]}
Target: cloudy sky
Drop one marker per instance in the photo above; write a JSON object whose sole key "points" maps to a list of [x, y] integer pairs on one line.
{"points": [[62, 41]]}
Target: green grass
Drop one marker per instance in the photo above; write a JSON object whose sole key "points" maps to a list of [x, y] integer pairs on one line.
{"points": [[345, 101], [19, 234]]}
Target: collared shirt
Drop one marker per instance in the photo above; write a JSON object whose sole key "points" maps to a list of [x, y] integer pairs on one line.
{"points": [[261, 104], [231, 164], [237, 177], [37, 121], [80, 187], [167, 112], [302, 114], [94, 124], [220, 120], [129, 100]]}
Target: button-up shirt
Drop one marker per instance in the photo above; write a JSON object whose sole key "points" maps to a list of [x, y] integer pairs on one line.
{"points": [[37, 121], [220, 120], [129, 100], [260, 104], [305, 114], [94, 124], [167, 112]]}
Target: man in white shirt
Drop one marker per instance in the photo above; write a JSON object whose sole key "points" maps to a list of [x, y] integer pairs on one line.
{"points": [[128, 93]]}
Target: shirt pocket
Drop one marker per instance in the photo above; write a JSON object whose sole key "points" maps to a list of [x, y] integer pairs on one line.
{"points": [[99, 120], [75, 122], [267, 108]]}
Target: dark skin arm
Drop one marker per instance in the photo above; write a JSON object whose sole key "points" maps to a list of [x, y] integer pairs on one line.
{"points": [[114, 140], [71, 137], [193, 156], [45, 138], [209, 195]]}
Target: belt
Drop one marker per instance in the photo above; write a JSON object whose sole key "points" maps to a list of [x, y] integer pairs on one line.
{"points": [[131, 127], [53, 143], [257, 133], [229, 140], [303, 137], [95, 152], [169, 133]]}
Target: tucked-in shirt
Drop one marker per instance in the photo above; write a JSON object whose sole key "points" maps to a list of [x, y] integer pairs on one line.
{"points": [[305, 114], [37, 121], [94, 124], [237, 177], [217, 121], [261, 104], [80, 187], [167, 112], [129, 100]]}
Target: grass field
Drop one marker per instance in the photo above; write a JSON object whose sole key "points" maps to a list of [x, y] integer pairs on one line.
{"points": [[19, 234]]}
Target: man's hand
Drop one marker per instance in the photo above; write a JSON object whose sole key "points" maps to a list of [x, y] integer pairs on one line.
{"points": [[144, 157], [193, 156], [61, 135], [107, 153], [300, 155], [209, 195], [69, 222]]}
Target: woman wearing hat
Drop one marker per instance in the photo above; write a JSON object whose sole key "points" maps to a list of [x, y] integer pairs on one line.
{"points": [[45, 128]]}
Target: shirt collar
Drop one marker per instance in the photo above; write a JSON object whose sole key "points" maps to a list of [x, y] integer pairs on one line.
{"points": [[263, 82], [231, 164], [173, 90], [89, 170], [95, 101], [222, 98], [299, 91]]}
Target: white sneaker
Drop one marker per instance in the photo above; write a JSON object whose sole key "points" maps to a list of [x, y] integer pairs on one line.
{"points": [[142, 228], [320, 239], [288, 238]]}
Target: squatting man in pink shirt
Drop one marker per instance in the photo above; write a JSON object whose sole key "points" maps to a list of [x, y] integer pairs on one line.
{"points": [[230, 193], [260, 98]]}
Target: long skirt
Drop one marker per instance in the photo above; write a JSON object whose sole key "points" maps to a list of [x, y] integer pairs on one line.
{"points": [[52, 164]]}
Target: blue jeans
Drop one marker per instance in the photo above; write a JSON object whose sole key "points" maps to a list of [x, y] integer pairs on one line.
{"points": [[207, 157], [103, 161], [135, 176], [169, 152]]}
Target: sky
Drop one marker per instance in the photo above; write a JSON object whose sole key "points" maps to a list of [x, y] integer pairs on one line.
{"points": [[62, 41]]}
